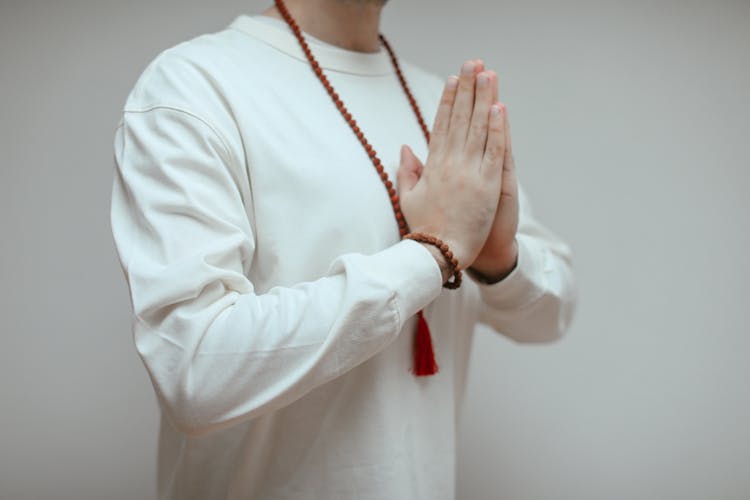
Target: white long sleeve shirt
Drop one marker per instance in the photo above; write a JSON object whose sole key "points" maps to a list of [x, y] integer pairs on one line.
{"points": [[273, 300]]}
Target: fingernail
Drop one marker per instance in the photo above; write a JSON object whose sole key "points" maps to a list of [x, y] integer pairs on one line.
{"points": [[482, 80], [495, 110], [452, 82], [468, 68]]}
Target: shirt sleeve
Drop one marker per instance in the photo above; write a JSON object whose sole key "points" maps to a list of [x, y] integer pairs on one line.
{"points": [[537, 300], [216, 351]]}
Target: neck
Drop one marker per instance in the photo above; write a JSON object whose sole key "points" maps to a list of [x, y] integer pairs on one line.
{"points": [[349, 24]]}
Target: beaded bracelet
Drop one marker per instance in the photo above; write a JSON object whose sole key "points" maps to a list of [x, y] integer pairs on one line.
{"points": [[443, 247]]}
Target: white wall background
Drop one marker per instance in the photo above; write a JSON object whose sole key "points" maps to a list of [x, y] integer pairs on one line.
{"points": [[630, 128]]}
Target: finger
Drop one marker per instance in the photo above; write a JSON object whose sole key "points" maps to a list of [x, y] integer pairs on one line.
{"points": [[443, 115], [462, 108], [495, 90], [508, 163], [477, 137], [409, 170], [494, 153], [508, 184]]}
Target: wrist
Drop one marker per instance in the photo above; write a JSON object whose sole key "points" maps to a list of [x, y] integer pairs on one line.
{"points": [[447, 259], [495, 270], [442, 262]]}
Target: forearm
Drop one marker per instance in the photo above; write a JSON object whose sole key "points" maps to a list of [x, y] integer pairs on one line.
{"points": [[227, 357]]}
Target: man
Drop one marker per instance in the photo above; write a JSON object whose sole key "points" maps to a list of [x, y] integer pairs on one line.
{"points": [[274, 300]]}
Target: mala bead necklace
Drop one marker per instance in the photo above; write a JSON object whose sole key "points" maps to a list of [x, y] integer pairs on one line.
{"points": [[424, 356]]}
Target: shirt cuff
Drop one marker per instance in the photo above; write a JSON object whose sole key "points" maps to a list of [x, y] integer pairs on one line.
{"points": [[524, 284], [412, 272]]}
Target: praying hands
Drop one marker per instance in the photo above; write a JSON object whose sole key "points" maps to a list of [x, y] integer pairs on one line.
{"points": [[466, 192]]}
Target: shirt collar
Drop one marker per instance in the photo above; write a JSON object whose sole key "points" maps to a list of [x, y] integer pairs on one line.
{"points": [[329, 56]]}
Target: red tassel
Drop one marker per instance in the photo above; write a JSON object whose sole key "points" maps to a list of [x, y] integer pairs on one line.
{"points": [[424, 356]]}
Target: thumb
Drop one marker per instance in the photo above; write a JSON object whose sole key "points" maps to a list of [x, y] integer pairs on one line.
{"points": [[409, 171]]}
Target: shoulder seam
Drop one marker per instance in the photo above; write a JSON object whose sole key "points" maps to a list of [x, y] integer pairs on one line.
{"points": [[214, 129]]}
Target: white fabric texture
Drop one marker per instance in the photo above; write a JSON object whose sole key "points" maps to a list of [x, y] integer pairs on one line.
{"points": [[273, 301]]}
